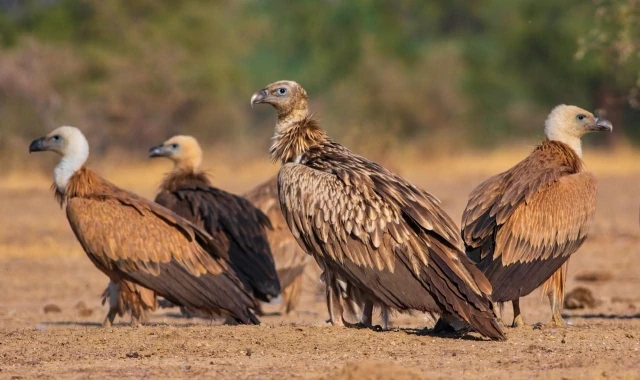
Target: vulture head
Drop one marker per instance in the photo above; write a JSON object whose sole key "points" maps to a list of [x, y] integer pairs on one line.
{"points": [[287, 97], [71, 144], [568, 123], [184, 151]]}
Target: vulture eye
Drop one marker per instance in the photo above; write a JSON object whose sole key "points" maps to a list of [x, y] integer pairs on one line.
{"points": [[56, 138], [174, 146], [282, 91], [581, 116]]}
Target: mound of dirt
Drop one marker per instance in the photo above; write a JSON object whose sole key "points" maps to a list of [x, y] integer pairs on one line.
{"points": [[370, 370], [579, 298]]}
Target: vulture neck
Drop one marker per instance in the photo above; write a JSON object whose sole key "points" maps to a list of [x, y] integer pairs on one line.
{"points": [[82, 183], [573, 142], [70, 163], [296, 132], [181, 177]]}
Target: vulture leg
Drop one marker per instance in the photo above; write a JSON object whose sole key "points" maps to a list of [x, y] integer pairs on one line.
{"points": [[517, 317], [554, 288], [291, 294], [135, 321], [385, 318], [333, 303], [367, 314], [556, 317], [366, 320], [112, 296], [111, 315]]}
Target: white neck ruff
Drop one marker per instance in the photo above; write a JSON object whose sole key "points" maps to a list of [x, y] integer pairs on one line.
{"points": [[74, 158], [574, 142]]}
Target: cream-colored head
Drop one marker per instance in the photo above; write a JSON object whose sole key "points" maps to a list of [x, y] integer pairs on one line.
{"points": [[71, 144], [568, 123], [184, 151]]}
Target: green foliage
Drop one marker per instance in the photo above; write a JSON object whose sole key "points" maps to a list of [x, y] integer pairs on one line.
{"points": [[380, 73]]}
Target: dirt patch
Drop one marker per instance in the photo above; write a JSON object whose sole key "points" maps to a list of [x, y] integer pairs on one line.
{"points": [[368, 370]]}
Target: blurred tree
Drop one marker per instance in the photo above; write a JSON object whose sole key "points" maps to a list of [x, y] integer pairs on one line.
{"points": [[381, 74]]}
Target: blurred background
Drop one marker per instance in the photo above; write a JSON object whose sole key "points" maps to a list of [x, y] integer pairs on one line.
{"points": [[383, 76]]}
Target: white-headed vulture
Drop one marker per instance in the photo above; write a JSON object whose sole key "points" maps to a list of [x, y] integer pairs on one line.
{"points": [[131, 238], [521, 226]]}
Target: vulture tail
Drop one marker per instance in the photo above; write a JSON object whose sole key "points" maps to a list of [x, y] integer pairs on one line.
{"points": [[458, 298], [210, 293], [257, 273]]}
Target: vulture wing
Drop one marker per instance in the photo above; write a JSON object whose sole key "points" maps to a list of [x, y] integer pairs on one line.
{"points": [[290, 259], [522, 225], [236, 226], [131, 238], [384, 235]]}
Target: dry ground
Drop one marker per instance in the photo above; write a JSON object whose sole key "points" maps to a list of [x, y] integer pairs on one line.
{"points": [[41, 264]]}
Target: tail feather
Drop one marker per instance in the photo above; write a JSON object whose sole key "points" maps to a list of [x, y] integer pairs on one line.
{"points": [[461, 299], [555, 285]]}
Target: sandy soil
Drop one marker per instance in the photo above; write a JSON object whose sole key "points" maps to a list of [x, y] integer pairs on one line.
{"points": [[41, 266]]}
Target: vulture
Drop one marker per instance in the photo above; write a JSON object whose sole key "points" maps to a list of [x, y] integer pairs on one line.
{"points": [[521, 226], [135, 241], [370, 227], [237, 227], [290, 259]]}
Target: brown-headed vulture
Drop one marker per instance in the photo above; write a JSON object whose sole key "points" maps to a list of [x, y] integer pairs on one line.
{"points": [[369, 226]]}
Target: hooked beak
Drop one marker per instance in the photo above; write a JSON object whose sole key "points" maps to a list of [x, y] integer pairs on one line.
{"points": [[38, 145], [603, 125], [157, 151], [259, 97]]}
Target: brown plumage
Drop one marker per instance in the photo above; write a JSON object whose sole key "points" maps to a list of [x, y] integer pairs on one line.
{"points": [[131, 238], [521, 226], [237, 227], [370, 226], [290, 259], [127, 297]]}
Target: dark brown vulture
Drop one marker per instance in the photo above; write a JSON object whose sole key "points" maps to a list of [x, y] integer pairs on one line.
{"points": [[131, 238], [290, 259], [237, 227], [521, 226], [369, 226]]}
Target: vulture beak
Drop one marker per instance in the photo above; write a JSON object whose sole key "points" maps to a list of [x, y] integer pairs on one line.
{"points": [[157, 151], [38, 145], [602, 125], [259, 97]]}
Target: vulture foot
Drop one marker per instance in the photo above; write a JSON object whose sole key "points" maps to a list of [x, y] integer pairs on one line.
{"points": [[518, 322], [361, 325]]}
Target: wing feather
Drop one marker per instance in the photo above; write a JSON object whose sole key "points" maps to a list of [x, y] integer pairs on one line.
{"points": [[130, 238], [520, 226], [401, 272], [237, 227]]}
